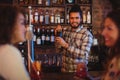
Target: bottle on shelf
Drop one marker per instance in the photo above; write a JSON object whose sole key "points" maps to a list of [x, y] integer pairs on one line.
{"points": [[84, 17], [88, 17], [54, 61], [52, 36], [47, 2], [54, 2], [45, 60], [21, 2], [26, 18], [24, 56], [67, 16], [70, 1], [21, 43], [34, 34], [59, 2], [52, 17], [38, 40], [62, 17], [47, 36], [57, 16], [47, 17], [31, 17], [36, 16], [26, 1], [40, 2], [41, 16], [43, 36]]}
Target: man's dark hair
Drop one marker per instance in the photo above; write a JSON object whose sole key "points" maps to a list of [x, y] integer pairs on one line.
{"points": [[76, 8]]}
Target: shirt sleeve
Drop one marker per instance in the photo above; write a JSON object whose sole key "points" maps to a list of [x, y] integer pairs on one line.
{"points": [[12, 65], [83, 49]]}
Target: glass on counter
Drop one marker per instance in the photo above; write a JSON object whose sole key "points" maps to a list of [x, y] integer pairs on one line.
{"points": [[81, 71], [35, 73]]}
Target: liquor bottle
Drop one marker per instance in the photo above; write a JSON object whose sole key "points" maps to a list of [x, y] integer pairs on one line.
{"points": [[26, 18], [54, 2], [59, 2], [36, 15], [70, 1], [88, 17], [34, 34], [59, 33], [32, 17], [54, 60], [52, 36], [47, 17], [84, 16], [41, 17], [21, 2], [67, 16], [47, 37], [38, 41], [21, 43], [62, 17], [24, 57], [57, 16], [43, 36], [52, 17], [26, 1], [40, 2], [47, 2], [45, 60]]}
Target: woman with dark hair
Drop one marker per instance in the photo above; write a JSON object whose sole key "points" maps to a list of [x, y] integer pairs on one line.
{"points": [[111, 34], [12, 31]]}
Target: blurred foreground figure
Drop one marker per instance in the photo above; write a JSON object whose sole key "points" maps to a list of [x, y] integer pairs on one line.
{"points": [[111, 34], [12, 31]]}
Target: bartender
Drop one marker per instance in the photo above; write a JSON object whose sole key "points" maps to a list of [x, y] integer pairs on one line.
{"points": [[75, 42]]}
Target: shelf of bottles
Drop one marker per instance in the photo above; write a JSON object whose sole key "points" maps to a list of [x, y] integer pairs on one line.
{"points": [[45, 16], [53, 12]]}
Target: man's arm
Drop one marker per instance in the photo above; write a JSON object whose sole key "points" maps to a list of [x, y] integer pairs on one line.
{"points": [[82, 50]]}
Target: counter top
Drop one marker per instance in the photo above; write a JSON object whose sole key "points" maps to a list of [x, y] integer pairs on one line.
{"points": [[67, 76]]}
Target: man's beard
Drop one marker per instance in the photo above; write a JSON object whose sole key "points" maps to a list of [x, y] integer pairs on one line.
{"points": [[75, 27]]}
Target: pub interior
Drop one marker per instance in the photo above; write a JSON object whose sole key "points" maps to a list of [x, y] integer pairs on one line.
{"points": [[43, 16]]}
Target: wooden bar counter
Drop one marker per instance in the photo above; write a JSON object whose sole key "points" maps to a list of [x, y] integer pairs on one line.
{"points": [[66, 76]]}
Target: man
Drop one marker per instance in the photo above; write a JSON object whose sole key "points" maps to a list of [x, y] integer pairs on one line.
{"points": [[75, 42]]}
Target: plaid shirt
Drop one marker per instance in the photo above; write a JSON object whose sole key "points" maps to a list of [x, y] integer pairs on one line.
{"points": [[79, 42]]}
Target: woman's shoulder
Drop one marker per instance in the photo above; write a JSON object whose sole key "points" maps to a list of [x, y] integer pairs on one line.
{"points": [[8, 49]]}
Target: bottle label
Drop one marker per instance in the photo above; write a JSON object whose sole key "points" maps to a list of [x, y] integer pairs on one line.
{"points": [[52, 19], [39, 1], [43, 37], [38, 41], [31, 18], [52, 38], [47, 38], [36, 18], [47, 19], [34, 37], [41, 18]]}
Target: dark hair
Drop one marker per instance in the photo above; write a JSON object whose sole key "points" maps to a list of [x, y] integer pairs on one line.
{"points": [[115, 17], [76, 8], [8, 16]]}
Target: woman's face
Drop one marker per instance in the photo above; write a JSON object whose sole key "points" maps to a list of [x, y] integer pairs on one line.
{"points": [[110, 32], [19, 30]]}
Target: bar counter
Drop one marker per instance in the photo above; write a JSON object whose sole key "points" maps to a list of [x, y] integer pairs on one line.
{"points": [[67, 76]]}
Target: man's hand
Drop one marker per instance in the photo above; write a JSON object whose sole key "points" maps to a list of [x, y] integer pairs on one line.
{"points": [[58, 28], [61, 42]]}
